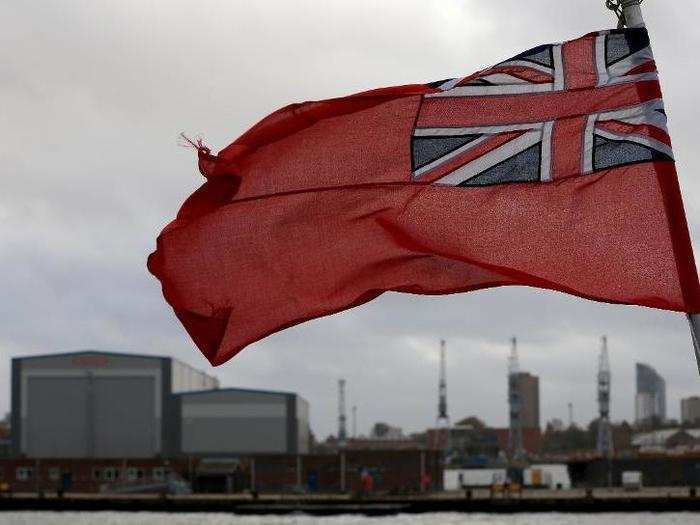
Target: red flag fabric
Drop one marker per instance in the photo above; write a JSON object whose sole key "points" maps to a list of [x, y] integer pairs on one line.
{"points": [[553, 169]]}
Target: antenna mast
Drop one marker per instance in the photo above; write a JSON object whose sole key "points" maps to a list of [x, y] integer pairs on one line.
{"points": [[342, 430], [354, 421]]}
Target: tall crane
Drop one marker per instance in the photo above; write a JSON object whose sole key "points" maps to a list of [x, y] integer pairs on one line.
{"points": [[604, 443], [442, 423]]}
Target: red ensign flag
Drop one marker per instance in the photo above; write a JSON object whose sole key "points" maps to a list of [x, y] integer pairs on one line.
{"points": [[553, 169]]}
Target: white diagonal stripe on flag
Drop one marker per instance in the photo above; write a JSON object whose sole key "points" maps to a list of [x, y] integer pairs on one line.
{"points": [[491, 158], [639, 139], [491, 130]]}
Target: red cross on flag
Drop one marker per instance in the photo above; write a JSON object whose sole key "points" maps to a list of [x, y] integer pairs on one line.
{"points": [[553, 169]]}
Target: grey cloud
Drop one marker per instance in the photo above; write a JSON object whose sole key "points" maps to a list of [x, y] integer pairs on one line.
{"points": [[94, 94]]}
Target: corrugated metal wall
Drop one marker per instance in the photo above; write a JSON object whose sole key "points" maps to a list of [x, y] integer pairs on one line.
{"points": [[124, 422], [57, 423], [188, 379], [89, 405], [224, 421], [91, 417]]}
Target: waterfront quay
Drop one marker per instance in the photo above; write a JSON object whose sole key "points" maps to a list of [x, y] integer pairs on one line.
{"points": [[672, 499]]}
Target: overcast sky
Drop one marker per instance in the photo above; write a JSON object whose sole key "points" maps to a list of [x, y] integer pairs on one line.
{"points": [[93, 95]]}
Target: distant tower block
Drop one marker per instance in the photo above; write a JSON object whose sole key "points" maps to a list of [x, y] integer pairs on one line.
{"points": [[442, 423], [604, 442], [342, 427], [515, 434]]}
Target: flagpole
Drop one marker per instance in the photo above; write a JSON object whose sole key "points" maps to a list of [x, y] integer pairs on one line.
{"points": [[632, 11], [694, 321], [632, 17]]}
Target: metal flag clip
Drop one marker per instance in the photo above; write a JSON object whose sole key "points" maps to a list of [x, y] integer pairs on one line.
{"points": [[629, 13]]}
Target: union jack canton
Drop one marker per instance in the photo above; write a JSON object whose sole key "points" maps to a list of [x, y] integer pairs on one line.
{"points": [[550, 113]]}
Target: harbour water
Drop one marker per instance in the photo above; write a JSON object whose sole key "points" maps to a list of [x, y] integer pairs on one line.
{"points": [[145, 518]]}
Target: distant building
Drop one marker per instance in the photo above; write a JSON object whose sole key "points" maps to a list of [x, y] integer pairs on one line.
{"points": [[94, 404], [532, 439], [555, 425], [382, 436], [690, 410], [101, 405], [386, 431], [622, 436], [667, 439], [650, 401], [362, 443], [393, 471], [529, 389], [474, 446], [236, 421], [5, 441], [468, 445]]}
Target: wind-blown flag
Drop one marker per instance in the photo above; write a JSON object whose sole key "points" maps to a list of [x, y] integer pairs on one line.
{"points": [[553, 169]]}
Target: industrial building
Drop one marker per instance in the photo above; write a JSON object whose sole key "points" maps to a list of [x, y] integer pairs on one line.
{"points": [[101, 405], [393, 472], [690, 410], [679, 439], [650, 401], [236, 421]]}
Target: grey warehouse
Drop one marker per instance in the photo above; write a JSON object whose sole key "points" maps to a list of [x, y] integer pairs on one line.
{"points": [[93, 404]]}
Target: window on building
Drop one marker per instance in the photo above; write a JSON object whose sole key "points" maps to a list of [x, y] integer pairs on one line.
{"points": [[161, 473], [110, 474], [54, 473], [134, 474], [96, 474], [25, 473]]}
